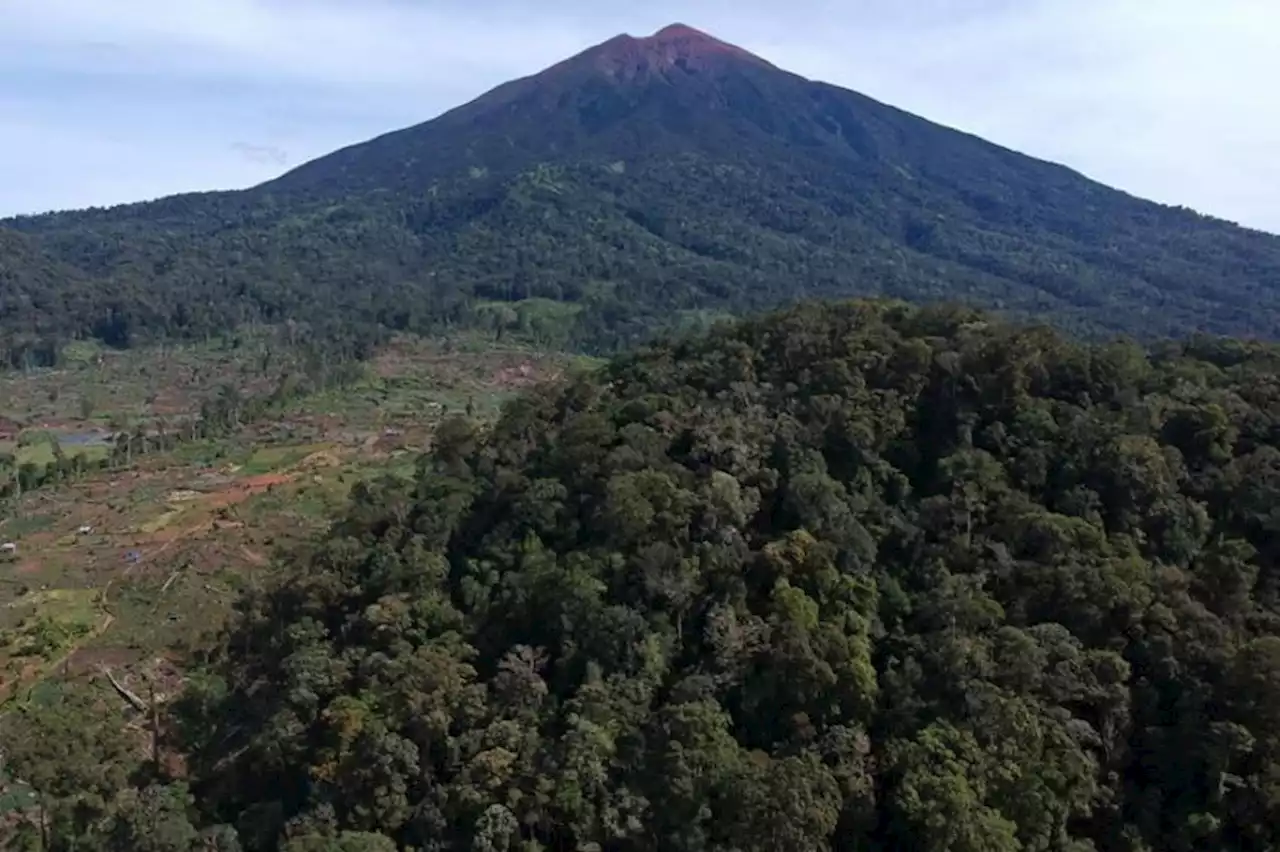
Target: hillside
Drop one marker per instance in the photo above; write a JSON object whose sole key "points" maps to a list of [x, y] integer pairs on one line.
{"points": [[37, 293], [849, 577], [646, 181], [140, 492]]}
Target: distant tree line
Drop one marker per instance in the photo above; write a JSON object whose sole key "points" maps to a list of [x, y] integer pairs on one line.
{"points": [[222, 414]]}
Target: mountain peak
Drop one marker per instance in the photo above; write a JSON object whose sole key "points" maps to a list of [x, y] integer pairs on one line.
{"points": [[676, 45], [679, 30], [684, 33]]}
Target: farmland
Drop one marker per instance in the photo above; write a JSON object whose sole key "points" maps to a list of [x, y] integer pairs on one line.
{"points": [[126, 568]]}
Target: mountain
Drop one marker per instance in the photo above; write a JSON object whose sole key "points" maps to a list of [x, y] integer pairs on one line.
{"points": [[646, 182], [677, 92]]}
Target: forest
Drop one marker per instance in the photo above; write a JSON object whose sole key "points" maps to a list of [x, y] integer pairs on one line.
{"points": [[854, 576]]}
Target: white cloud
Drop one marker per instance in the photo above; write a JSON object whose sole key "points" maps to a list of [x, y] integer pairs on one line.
{"points": [[135, 98], [351, 43]]}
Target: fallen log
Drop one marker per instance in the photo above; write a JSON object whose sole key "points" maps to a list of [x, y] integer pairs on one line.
{"points": [[138, 704]]}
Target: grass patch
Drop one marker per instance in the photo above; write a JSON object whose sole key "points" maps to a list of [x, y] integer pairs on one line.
{"points": [[81, 352], [271, 459], [54, 621], [41, 452], [72, 604], [323, 499], [203, 453], [161, 521], [17, 527]]}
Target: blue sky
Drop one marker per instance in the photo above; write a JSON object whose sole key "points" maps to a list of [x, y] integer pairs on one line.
{"points": [[106, 101]]}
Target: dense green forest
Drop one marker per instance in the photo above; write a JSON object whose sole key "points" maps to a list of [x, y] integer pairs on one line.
{"points": [[853, 577], [641, 184]]}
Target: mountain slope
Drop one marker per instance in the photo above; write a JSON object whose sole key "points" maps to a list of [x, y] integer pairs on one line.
{"points": [[36, 292], [659, 178]]}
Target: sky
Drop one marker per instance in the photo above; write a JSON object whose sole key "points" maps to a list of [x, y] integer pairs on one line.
{"points": [[108, 102]]}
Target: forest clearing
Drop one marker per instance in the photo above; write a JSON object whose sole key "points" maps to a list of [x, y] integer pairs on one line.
{"points": [[136, 563]]}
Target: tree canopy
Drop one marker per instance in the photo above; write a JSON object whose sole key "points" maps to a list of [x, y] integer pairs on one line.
{"points": [[848, 577]]}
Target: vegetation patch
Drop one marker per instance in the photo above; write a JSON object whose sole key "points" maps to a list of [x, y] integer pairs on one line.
{"points": [[162, 521], [42, 453], [271, 459], [18, 526], [49, 622]]}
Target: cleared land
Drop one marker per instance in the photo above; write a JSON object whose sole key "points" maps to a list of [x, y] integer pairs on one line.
{"points": [[128, 569]]}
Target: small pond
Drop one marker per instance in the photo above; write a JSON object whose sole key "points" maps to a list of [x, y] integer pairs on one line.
{"points": [[95, 437]]}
